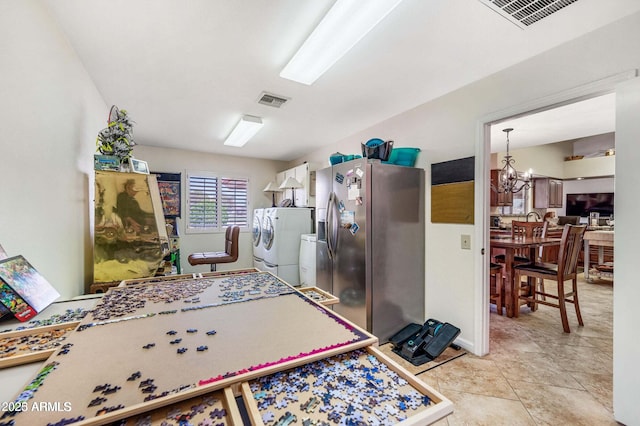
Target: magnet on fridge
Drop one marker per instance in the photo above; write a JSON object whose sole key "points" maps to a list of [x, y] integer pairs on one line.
{"points": [[340, 206], [354, 228], [350, 172], [358, 201], [339, 178], [359, 172]]}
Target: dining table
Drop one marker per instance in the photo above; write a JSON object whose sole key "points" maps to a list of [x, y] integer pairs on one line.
{"points": [[511, 246]]}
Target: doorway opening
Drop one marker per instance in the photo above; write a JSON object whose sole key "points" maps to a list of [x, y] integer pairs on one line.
{"points": [[484, 153]]}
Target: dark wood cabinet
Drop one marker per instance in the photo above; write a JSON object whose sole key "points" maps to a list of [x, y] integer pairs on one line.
{"points": [[499, 198], [547, 193]]}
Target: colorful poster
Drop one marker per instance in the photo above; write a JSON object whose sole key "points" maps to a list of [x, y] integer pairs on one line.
{"points": [[26, 284]]}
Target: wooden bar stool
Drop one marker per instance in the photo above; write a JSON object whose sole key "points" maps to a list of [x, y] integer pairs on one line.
{"points": [[212, 258]]}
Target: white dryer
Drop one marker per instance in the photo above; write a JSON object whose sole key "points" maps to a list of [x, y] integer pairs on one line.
{"points": [[256, 232], [281, 231]]}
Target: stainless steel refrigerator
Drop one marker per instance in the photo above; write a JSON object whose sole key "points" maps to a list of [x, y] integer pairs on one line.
{"points": [[370, 243]]}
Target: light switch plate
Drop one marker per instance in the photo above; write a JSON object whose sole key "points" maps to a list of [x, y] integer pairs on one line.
{"points": [[465, 242]]}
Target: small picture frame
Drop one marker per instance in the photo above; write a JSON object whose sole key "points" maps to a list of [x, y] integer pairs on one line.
{"points": [[106, 162], [139, 166]]}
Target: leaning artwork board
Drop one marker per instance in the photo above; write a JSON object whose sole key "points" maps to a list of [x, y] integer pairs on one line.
{"points": [[149, 345]]}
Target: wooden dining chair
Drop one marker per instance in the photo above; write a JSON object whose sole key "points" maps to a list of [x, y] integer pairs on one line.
{"points": [[564, 270], [496, 286], [521, 229], [525, 229]]}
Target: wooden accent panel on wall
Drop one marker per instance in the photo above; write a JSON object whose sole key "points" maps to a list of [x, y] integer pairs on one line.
{"points": [[452, 203], [452, 191]]}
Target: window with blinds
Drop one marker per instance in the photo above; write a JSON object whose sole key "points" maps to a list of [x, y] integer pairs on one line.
{"points": [[217, 202]]}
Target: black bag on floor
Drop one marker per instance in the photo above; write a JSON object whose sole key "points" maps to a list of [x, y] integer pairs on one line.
{"points": [[422, 343]]}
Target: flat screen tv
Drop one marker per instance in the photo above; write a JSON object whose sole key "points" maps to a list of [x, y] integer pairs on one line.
{"points": [[583, 204]]}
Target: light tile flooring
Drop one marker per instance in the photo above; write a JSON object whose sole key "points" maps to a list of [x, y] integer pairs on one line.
{"points": [[535, 373]]}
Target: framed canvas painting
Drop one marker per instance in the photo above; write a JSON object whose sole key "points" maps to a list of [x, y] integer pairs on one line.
{"points": [[170, 193]]}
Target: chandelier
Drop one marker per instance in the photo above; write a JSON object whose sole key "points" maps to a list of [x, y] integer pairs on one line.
{"points": [[508, 178]]}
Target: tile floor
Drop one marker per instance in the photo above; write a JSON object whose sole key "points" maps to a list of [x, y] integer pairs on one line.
{"points": [[535, 373]]}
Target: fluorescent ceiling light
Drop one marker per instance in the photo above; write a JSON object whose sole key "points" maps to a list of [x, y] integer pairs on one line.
{"points": [[341, 28], [244, 130]]}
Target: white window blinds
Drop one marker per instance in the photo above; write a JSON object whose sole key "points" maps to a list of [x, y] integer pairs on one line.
{"points": [[217, 202]]}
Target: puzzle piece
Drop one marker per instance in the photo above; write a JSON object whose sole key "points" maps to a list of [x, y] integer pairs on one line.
{"points": [[268, 417], [218, 413]]}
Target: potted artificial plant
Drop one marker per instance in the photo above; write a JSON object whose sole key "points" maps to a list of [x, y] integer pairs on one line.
{"points": [[117, 138]]}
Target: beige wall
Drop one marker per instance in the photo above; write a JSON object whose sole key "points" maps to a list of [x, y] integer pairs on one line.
{"points": [[543, 160], [259, 173]]}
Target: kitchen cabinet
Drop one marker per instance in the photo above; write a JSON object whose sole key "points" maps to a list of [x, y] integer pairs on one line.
{"points": [[547, 193], [499, 198], [305, 196]]}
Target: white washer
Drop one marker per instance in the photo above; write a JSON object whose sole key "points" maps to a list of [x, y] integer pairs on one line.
{"points": [[259, 264], [281, 231], [256, 233]]}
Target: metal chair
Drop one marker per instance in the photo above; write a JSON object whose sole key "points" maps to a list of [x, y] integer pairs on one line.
{"points": [[229, 255], [565, 270]]}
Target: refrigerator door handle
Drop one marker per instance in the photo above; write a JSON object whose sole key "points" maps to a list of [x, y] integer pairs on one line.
{"points": [[332, 224], [328, 225]]}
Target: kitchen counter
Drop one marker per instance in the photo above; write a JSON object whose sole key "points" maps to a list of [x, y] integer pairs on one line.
{"points": [[604, 241]]}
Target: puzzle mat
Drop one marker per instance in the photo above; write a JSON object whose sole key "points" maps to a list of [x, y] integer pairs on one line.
{"points": [[251, 330]]}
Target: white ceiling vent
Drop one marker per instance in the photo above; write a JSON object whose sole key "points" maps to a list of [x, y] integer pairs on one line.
{"points": [[526, 12], [272, 100]]}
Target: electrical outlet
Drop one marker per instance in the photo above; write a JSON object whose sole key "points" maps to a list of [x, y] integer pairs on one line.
{"points": [[465, 242]]}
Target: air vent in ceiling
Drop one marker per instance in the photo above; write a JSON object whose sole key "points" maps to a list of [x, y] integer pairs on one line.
{"points": [[526, 12], [272, 100]]}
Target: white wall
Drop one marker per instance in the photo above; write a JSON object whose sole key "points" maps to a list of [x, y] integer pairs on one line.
{"points": [[591, 145], [626, 345], [49, 115], [259, 173]]}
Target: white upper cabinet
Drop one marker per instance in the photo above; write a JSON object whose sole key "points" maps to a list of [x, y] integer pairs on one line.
{"points": [[305, 196]]}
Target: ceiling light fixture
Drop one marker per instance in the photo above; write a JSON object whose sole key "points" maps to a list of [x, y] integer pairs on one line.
{"points": [[343, 26], [244, 130], [508, 178]]}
